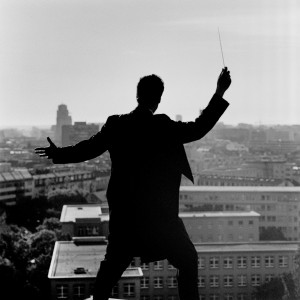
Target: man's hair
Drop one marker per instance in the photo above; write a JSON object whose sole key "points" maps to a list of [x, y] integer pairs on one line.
{"points": [[149, 90]]}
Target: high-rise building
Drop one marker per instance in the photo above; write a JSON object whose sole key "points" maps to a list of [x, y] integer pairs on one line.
{"points": [[72, 134], [62, 118]]}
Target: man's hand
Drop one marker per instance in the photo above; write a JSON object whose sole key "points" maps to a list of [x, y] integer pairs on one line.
{"points": [[224, 82], [49, 152]]}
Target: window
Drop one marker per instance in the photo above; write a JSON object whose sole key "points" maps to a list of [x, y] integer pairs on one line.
{"points": [[172, 282], [214, 297], [269, 277], [201, 281], [145, 297], [228, 262], [201, 263], [214, 262], [241, 222], [228, 297], [78, 291], [242, 262], [255, 280], [115, 291], [158, 297], [62, 291], [228, 280], [283, 261], [255, 262], [172, 297], [144, 282], [242, 280], [251, 222], [145, 266], [269, 261], [202, 297], [158, 282], [242, 296], [158, 265], [214, 281], [128, 289]]}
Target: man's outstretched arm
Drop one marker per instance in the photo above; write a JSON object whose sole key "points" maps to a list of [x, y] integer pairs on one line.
{"points": [[80, 152], [188, 132]]}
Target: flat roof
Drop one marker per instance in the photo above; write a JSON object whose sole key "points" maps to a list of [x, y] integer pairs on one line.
{"points": [[68, 256], [248, 247], [262, 189], [218, 214], [83, 211], [15, 175]]}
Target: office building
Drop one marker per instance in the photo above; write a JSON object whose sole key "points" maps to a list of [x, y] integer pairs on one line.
{"points": [[278, 206], [73, 134]]}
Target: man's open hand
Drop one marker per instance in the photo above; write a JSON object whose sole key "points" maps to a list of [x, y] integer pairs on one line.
{"points": [[224, 82], [48, 152]]}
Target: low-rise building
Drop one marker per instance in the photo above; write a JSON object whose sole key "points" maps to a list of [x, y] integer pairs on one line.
{"points": [[278, 206], [209, 227], [84, 220], [15, 184], [74, 267]]}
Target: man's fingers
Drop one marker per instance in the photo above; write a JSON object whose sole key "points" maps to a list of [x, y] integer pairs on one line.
{"points": [[50, 142]]}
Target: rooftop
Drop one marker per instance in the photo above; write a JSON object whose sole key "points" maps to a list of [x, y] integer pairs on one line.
{"points": [[261, 189], [248, 247], [83, 211], [218, 214], [71, 260], [21, 174]]}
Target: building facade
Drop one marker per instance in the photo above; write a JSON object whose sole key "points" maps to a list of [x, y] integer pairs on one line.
{"points": [[278, 206]]}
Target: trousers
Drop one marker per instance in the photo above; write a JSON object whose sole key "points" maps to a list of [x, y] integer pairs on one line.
{"points": [[179, 251]]}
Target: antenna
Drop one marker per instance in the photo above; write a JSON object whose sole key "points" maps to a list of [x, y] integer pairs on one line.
{"points": [[221, 47]]}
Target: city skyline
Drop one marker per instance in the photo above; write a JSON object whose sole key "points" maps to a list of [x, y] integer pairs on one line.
{"points": [[90, 55]]}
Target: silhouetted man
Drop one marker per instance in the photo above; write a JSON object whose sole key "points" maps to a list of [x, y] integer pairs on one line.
{"points": [[148, 159]]}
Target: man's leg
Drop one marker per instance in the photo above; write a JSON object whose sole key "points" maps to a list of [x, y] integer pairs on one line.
{"points": [[110, 271], [183, 256]]}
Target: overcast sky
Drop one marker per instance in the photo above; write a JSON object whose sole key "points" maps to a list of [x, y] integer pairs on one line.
{"points": [[90, 54]]}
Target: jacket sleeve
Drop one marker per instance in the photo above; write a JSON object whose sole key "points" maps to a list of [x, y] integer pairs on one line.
{"points": [[86, 149], [188, 132]]}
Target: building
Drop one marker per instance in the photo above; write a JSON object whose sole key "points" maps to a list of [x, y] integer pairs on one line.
{"points": [[84, 220], [15, 184], [45, 184], [73, 271], [72, 134], [234, 271], [226, 271], [278, 206], [209, 227], [62, 118]]}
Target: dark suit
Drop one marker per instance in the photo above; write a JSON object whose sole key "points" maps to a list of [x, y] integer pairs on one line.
{"points": [[148, 159]]}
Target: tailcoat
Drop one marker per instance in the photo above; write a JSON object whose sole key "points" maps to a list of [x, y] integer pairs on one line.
{"points": [[148, 159]]}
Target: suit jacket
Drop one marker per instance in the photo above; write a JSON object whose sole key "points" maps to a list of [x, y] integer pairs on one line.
{"points": [[148, 159]]}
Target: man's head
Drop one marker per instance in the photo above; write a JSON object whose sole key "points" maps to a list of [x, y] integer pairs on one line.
{"points": [[149, 91]]}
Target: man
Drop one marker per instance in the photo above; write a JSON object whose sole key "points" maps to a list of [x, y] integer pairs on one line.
{"points": [[148, 159]]}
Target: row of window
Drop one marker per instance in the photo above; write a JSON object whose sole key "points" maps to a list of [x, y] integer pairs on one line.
{"points": [[158, 282], [214, 262], [215, 296], [244, 261], [242, 280]]}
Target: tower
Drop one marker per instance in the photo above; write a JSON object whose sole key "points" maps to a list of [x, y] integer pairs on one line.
{"points": [[62, 118]]}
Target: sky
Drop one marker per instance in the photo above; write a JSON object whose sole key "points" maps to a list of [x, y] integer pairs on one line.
{"points": [[90, 54]]}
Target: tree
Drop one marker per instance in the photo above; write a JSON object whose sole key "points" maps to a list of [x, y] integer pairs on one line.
{"points": [[279, 288], [271, 234]]}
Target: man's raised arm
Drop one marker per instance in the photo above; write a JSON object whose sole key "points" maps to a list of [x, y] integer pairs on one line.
{"points": [[80, 152], [188, 132]]}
